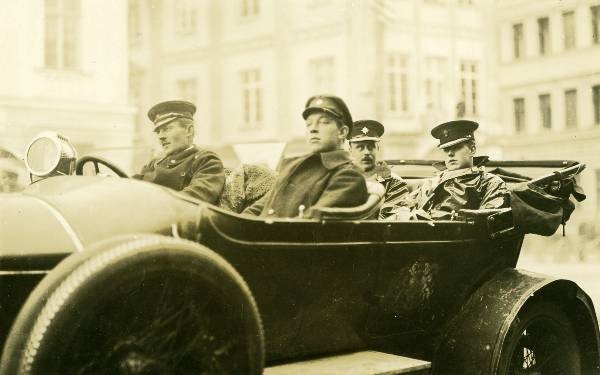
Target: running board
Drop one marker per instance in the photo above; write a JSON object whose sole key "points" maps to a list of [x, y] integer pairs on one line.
{"points": [[359, 363]]}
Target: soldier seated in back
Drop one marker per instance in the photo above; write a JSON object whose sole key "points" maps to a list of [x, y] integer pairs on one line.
{"points": [[364, 149], [461, 185]]}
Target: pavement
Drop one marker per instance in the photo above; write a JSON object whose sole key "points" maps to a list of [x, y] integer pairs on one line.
{"points": [[586, 275]]}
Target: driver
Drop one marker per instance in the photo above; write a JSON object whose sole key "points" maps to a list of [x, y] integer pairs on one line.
{"points": [[460, 185], [326, 176], [184, 167]]}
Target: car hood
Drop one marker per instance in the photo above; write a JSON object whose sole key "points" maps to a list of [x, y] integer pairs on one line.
{"points": [[67, 213]]}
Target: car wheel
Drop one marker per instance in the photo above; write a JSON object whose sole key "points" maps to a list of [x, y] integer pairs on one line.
{"points": [[541, 340], [145, 305]]}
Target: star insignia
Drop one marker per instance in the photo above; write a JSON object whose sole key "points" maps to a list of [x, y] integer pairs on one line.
{"points": [[365, 130]]}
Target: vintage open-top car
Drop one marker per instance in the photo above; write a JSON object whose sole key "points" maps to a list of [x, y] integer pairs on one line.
{"points": [[108, 275]]}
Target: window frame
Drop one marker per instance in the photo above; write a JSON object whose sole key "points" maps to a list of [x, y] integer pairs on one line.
{"points": [[518, 40], [543, 35], [469, 86], [520, 122], [59, 18], [571, 108], [251, 98], [545, 102], [397, 83], [569, 30]]}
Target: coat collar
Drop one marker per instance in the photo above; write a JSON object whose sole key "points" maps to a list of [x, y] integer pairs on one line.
{"points": [[180, 155], [333, 159], [446, 175]]}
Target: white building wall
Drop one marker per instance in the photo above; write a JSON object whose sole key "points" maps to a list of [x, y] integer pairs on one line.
{"points": [[88, 104], [283, 39], [553, 73]]}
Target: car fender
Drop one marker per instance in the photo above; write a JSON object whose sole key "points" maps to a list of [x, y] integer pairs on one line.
{"points": [[472, 342]]}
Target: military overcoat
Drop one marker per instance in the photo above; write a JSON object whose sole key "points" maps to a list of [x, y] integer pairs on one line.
{"points": [[327, 179], [193, 171], [396, 190], [469, 188]]}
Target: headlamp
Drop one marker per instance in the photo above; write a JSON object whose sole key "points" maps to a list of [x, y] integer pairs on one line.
{"points": [[50, 154]]}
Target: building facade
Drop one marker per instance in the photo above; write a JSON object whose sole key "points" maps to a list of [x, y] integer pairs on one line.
{"points": [[65, 69], [250, 65], [549, 86]]}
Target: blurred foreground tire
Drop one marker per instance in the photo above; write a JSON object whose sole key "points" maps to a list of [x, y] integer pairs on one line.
{"points": [[138, 305]]}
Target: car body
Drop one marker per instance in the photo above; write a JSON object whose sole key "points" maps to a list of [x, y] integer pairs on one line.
{"points": [[443, 291]]}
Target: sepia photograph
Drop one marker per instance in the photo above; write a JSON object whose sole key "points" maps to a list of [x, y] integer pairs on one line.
{"points": [[296, 187]]}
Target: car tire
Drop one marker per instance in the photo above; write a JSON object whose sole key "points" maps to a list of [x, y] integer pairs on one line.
{"points": [[143, 304], [541, 340]]}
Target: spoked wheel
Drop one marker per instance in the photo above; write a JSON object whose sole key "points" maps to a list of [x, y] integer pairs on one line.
{"points": [[152, 305], [541, 342]]}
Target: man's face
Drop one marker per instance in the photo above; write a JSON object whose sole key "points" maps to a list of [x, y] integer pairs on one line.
{"points": [[9, 181], [175, 136], [322, 132], [364, 154], [458, 156]]}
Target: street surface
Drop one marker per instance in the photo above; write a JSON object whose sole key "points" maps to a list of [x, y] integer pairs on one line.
{"points": [[586, 275]]}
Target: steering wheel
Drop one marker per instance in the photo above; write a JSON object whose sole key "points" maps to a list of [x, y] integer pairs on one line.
{"points": [[96, 160]]}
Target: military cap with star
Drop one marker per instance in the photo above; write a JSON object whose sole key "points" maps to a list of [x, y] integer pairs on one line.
{"points": [[166, 112], [332, 105], [454, 132], [366, 130]]}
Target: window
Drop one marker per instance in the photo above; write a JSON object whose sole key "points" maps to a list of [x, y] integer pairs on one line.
{"points": [[187, 89], [544, 35], [571, 109], [545, 111], [397, 83], [249, 8], [597, 189], [185, 17], [519, 108], [134, 23], [596, 100], [435, 71], [468, 87], [251, 98], [569, 29], [322, 75], [518, 40], [61, 38], [135, 84], [595, 10]]}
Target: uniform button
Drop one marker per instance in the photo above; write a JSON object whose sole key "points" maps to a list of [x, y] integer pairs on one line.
{"points": [[173, 161], [182, 174], [271, 211], [196, 157]]}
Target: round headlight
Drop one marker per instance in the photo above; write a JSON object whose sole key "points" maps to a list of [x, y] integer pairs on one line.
{"points": [[50, 154]]}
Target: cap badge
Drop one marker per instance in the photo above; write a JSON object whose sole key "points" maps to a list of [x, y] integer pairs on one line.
{"points": [[319, 102], [365, 130], [445, 132]]}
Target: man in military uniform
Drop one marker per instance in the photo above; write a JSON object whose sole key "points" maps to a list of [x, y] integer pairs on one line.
{"points": [[326, 176], [364, 148], [460, 185], [184, 167]]}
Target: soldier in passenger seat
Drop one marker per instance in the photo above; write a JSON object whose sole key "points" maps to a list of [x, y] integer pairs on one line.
{"points": [[326, 176]]}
